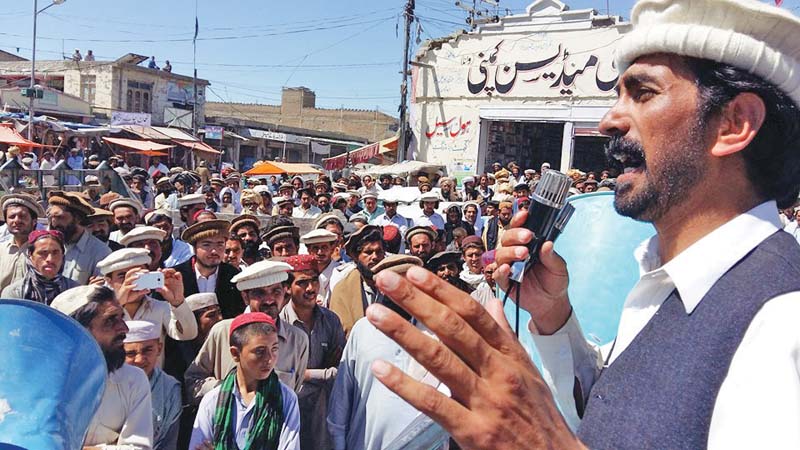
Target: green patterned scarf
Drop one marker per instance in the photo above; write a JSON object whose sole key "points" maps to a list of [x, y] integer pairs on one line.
{"points": [[267, 415]]}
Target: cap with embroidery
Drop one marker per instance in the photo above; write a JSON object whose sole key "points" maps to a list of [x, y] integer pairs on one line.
{"points": [[145, 233], [21, 199], [262, 274], [140, 331], [248, 318], [124, 259], [300, 263], [202, 300], [318, 236]]}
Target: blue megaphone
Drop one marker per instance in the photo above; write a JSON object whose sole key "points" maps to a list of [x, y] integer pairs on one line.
{"points": [[52, 377]]}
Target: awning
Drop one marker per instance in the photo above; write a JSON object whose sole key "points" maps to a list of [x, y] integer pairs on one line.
{"points": [[9, 135], [176, 134], [276, 168], [144, 132], [198, 145], [138, 145], [150, 153]]}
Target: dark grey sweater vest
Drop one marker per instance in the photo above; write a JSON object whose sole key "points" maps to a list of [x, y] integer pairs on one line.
{"points": [[660, 392]]}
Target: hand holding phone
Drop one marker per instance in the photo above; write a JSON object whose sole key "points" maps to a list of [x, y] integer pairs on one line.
{"points": [[149, 280]]}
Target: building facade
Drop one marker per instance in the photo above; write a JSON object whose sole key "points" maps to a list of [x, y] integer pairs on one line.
{"points": [[531, 88], [298, 110], [116, 86]]}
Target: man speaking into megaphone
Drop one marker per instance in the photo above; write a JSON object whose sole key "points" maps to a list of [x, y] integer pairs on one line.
{"points": [[705, 134]]}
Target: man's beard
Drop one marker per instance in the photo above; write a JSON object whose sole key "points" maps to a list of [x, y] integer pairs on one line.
{"points": [[125, 227], [663, 187], [102, 235], [250, 250], [115, 358], [69, 231]]}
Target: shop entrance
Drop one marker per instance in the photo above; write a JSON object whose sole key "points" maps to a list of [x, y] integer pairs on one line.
{"points": [[528, 143]]}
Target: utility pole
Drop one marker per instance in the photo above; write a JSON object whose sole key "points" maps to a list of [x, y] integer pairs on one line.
{"points": [[401, 144], [478, 14], [33, 73]]}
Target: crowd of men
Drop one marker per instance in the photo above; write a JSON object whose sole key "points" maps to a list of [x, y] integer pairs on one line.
{"points": [[306, 293]]}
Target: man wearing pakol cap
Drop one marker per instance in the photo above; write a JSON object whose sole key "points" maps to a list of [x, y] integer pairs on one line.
{"points": [[250, 408], [390, 215], [247, 228], [352, 203], [472, 250], [205, 271], [282, 237], [148, 238], [263, 290], [173, 251], [124, 419], [143, 349], [321, 244], [20, 213], [428, 204], [707, 345], [447, 266], [363, 413], [420, 242], [99, 224], [351, 296], [232, 185], [371, 208], [306, 209], [188, 206], [68, 212], [326, 341], [496, 226], [127, 213], [167, 197], [173, 316]]}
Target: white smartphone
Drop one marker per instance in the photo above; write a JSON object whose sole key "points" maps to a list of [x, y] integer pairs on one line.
{"points": [[150, 280]]}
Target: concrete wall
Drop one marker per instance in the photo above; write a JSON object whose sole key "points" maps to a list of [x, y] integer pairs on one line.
{"points": [[370, 125]]}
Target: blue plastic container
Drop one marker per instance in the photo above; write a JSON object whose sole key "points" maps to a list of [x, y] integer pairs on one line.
{"points": [[52, 377]]}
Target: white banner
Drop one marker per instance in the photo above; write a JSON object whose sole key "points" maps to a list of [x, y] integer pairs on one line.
{"points": [[320, 149], [280, 137]]}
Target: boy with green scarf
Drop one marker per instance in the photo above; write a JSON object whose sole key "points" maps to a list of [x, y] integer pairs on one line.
{"points": [[250, 409]]}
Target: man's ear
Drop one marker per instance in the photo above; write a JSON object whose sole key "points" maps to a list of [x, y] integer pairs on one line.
{"points": [[235, 353], [739, 123]]}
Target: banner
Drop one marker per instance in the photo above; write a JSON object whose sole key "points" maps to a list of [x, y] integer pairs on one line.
{"points": [[214, 132], [320, 149], [130, 118]]}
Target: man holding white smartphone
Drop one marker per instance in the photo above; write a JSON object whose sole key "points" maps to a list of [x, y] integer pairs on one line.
{"points": [[125, 271]]}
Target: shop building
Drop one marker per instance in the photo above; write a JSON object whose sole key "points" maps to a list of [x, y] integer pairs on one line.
{"points": [[530, 88]]}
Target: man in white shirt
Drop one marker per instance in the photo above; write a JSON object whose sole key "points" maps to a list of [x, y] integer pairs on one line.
{"points": [[429, 203], [707, 346], [306, 210], [320, 243], [157, 165], [391, 217], [124, 418]]}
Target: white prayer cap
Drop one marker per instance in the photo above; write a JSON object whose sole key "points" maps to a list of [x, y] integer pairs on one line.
{"points": [[123, 259], [146, 233], [192, 199], [318, 236], [140, 331], [73, 299], [126, 202], [749, 35], [262, 274], [200, 301]]}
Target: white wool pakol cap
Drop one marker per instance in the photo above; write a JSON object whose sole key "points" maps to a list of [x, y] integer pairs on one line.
{"points": [[318, 236], [123, 259], [126, 202], [73, 299], [140, 331], [146, 233], [200, 301], [747, 34], [192, 199], [262, 274]]}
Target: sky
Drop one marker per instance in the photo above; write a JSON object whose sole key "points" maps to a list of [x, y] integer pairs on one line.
{"points": [[348, 51]]}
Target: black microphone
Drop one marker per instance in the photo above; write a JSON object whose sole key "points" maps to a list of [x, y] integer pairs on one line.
{"points": [[546, 215]]}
